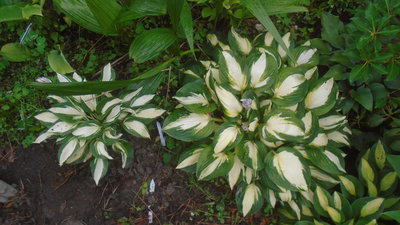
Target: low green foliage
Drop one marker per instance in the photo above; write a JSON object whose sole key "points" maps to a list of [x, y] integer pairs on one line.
{"points": [[86, 125], [266, 123], [371, 198]]}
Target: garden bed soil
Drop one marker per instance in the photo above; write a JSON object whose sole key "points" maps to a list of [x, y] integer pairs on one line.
{"points": [[50, 194]]}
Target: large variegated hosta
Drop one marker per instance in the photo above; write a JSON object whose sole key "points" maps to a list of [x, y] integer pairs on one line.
{"points": [[88, 127], [267, 124]]}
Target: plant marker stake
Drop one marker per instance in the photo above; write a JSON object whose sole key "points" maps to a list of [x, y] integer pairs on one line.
{"points": [[150, 215], [162, 139], [27, 30], [152, 187]]}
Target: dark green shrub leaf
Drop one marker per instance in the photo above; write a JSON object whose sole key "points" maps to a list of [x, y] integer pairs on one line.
{"points": [[331, 29], [364, 97], [394, 160]]}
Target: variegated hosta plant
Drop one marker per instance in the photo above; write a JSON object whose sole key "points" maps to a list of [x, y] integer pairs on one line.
{"points": [[267, 124], [89, 127], [369, 199]]}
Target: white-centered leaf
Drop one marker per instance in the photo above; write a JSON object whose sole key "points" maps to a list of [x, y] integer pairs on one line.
{"points": [[61, 127], [225, 138], [289, 85], [192, 120], [310, 73], [101, 149], [67, 150], [248, 175], [137, 127], [67, 110], [107, 73], [295, 208], [234, 173], [114, 114], [331, 122], [109, 104], [290, 167], [42, 137], [307, 120], [306, 56], [77, 77], [272, 198], [142, 100], [257, 70], [86, 131], [78, 153], [320, 140], [251, 195], [46, 117], [229, 101], [371, 207], [212, 38], [333, 158], [268, 39], [322, 176], [90, 101], [285, 195], [191, 160], [334, 214], [243, 43], [57, 98], [338, 137], [149, 113], [219, 159], [252, 153], [320, 95], [62, 78], [337, 201], [282, 125], [235, 75], [286, 41], [98, 170], [109, 135], [193, 98], [130, 96], [253, 125]]}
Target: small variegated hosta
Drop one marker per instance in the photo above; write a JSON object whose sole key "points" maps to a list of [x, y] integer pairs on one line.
{"points": [[267, 124], [363, 200], [89, 127]]}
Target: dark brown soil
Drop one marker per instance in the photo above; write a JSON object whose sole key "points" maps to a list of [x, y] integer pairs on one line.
{"points": [[50, 194]]}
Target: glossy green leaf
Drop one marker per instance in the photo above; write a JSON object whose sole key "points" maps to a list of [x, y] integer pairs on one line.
{"points": [[357, 72], [331, 30], [363, 95], [151, 43], [58, 63], [394, 160], [393, 214], [380, 94], [394, 71], [14, 52], [139, 9]]}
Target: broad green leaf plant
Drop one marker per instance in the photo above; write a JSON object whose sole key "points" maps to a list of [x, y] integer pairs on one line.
{"points": [[371, 198], [268, 124], [89, 127]]}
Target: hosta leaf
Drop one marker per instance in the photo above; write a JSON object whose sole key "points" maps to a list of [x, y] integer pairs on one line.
{"points": [[195, 97], [291, 87], [306, 57], [46, 117], [322, 96], [99, 169], [108, 73], [366, 171], [339, 137], [212, 165], [230, 103], [189, 157], [324, 177], [227, 135], [188, 126], [79, 154], [126, 151], [350, 185], [293, 175], [141, 100], [149, 112], [322, 201], [231, 71], [235, 172], [332, 122], [99, 150], [151, 43], [262, 70], [368, 207], [379, 154], [283, 125], [238, 42], [87, 130], [388, 181], [61, 128], [252, 199], [326, 160], [336, 215], [252, 154], [136, 128], [67, 149]]}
